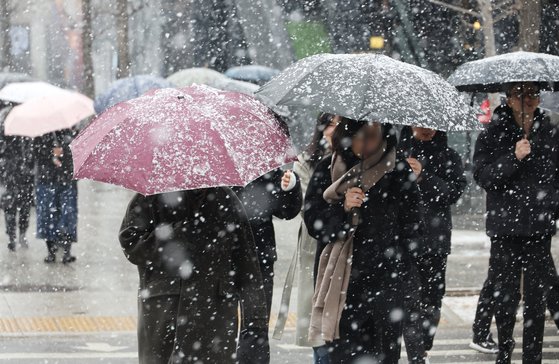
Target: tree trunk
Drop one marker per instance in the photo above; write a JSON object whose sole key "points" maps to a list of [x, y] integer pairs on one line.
{"points": [[87, 49], [530, 21], [123, 53], [5, 41]]}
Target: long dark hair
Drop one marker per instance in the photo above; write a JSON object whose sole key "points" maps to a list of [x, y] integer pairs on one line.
{"points": [[317, 148], [348, 128]]}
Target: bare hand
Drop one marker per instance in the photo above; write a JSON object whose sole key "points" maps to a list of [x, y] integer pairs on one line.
{"points": [[523, 148], [353, 198], [415, 165], [286, 179], [58, 152]]}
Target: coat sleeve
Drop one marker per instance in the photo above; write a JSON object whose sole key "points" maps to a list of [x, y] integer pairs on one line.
{"points": [[325, 222], [447, 187], [492, 171], [248, 278], [287, 204], [138, 233]]}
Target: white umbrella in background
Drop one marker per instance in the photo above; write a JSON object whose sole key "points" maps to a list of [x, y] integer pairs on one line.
{"points": [[44, 108]]}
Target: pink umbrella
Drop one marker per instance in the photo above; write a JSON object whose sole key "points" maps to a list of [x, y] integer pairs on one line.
{"points": [[179, 139], [44, 109]]}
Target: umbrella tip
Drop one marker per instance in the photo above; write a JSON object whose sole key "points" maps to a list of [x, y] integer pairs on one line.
{"points": [[180, 97]]}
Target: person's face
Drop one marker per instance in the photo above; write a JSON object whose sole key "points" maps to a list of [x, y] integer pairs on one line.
{"points": [[423, 134], [526, 94], [330, 127], [367, 141]]}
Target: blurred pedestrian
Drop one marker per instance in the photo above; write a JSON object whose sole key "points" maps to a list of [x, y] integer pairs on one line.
{"points": [[275, 194], [196, 261], [56, 194], [516, 162], [440, 177], [367, 215], [304, 256], [18, 178]]}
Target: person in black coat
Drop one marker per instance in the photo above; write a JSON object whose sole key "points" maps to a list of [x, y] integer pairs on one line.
{"points": [[441, 181], [275, 194], [56, 193], [196, 261], [516, 162], [387, 231], [16, 154]]}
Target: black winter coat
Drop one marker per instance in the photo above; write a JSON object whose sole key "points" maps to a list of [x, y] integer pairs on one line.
{"points": [[47, 172], [522, 196], [196, 257], [441, 183], [263, 199], [390, 225]]}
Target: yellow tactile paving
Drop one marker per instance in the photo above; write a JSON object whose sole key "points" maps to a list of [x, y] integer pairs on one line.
{"points": [[84, 324]]}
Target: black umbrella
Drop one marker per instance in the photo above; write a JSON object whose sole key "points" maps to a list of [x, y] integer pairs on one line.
{"points": [[497, 73]]}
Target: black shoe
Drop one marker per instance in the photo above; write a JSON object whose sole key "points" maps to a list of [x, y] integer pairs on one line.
{"points": [[51, 258], [12, 246], [68, 259], [23, 242], [487, 346]]}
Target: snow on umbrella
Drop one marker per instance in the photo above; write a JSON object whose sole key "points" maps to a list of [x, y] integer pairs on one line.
{"points": [[128, 88], [44, 108], [179, 139], [494, 74], [252, 73], [370, 87]]}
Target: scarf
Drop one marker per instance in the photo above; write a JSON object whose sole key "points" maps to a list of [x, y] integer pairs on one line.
{"points": [[334, 268]]}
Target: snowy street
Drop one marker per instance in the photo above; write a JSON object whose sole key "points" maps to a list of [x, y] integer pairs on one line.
{"points": [[86, 312]]}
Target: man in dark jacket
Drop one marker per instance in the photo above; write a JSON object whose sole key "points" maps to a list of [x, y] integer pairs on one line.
{"points": [[18, 176], [196, 259], [516, 162], [263, 199], [441, 181]]}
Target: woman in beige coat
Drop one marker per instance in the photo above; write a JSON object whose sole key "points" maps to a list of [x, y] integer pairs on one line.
{"points": [[304, 255]]}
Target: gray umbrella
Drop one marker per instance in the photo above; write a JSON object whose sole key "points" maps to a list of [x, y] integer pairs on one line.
{"points": [[372, 87], [494, 74]]}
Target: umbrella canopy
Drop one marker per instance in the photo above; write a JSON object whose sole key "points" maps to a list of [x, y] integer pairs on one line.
{"points": [[179, 139], [235, 86], [20, 92], [128, 88], [44, 108], [372, 87], [494, 74], [11, 77], [252, 73], [198, 75]]}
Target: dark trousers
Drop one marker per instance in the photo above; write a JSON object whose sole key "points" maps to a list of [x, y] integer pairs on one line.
{"points": [[423, 302], [254, 347], [17, 200], [501, 294], [371, 325]]}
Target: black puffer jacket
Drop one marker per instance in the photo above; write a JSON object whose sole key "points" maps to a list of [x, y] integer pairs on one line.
{"points": [[390, 221], [196, 257], [522, 196], [263, 199], [441, 183]]}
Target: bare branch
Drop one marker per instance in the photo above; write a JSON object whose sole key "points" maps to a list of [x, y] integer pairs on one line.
{"points": [[456, 8], [504, 15], [499, 4]]}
